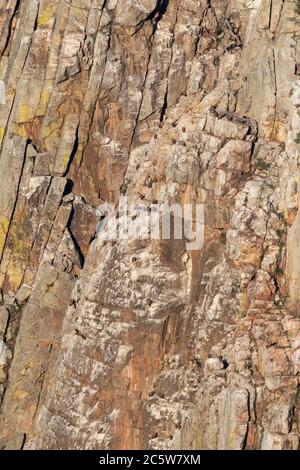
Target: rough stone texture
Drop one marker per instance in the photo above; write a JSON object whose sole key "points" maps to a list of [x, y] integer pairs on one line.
{"points": [[141, 344]]}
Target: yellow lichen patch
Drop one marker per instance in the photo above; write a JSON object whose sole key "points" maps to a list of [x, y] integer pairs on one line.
{"points": [[279, 132], [14, 275], [2, 132], [44, 99], [65, 161], [61, 164], [19, 247], [25, 113], [46, 15], [4, 224], [21, 394]]}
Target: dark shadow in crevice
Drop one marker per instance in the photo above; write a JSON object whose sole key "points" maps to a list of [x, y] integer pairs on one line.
{"points": [[68, 188], [15, 12], [155, 16], [164, 107], [73, 153], [81, 257]]}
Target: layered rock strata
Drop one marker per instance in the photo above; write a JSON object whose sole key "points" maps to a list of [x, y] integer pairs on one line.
{"points": [[143, 344]]}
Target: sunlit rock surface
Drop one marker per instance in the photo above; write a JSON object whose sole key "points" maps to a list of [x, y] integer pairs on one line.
{"points": [[143, 344]]}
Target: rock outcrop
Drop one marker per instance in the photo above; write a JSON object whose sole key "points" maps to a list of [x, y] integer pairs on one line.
{"points": [[143, 344]]}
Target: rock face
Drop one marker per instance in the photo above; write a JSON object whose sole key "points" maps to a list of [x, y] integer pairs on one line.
{"points": [[143, 344]]}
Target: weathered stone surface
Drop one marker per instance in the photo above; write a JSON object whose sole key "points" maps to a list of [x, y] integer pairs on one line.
{"points": [[145, 343]]}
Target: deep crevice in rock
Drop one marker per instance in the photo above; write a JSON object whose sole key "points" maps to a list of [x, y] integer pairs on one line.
{"points": [[9, 35], [155, 16]]}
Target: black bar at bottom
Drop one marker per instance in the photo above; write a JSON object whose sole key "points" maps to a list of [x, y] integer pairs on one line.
{"points": [[135, 459]]}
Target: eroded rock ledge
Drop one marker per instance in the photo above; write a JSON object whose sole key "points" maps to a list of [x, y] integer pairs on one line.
{"points": [[141, 344]]}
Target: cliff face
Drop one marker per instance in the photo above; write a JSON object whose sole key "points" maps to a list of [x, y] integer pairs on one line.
{"points": [[140, 343]]}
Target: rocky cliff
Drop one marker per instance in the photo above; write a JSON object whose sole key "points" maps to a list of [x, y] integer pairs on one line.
{"points": [[143, 344]]}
